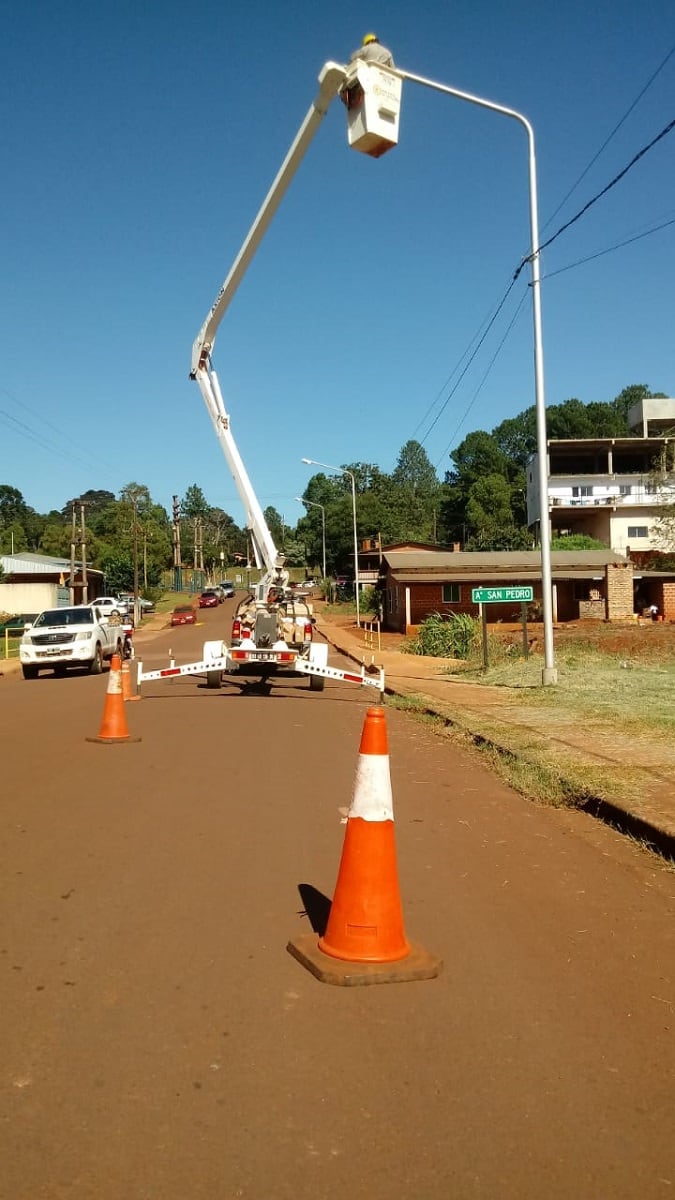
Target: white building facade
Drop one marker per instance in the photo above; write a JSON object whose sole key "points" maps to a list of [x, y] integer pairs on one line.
{"points": [[607, 488]]}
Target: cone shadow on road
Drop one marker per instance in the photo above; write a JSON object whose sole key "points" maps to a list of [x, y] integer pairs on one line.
{"points": [[316, 907]]}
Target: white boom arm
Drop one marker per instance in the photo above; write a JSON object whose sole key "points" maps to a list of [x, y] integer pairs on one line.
{"points": [[331, 79]]}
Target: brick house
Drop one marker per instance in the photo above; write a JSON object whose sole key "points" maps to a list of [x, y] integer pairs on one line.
{"points": [[589, 584]]}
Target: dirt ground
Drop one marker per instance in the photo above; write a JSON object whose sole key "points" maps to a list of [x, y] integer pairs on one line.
{"points": [[651, 641]]}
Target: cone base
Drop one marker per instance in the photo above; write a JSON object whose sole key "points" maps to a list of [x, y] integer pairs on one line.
{"points": [[113, 739], [419, 964]]}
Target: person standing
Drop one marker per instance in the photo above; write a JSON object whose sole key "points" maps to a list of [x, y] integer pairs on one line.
{"points": [[371, 50]]}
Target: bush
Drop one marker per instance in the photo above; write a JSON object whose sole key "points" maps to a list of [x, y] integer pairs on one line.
{"points": [[370, 601], [445, 637]]}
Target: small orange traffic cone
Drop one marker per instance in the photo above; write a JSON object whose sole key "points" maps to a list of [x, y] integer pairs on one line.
{"points": [[114, 723], [364, 941], [127, 692], [366, 918]]}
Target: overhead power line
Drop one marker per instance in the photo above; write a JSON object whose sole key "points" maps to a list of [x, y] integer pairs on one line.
{"points": [[613, 182], [615, 130], [609, 249], [479, 389]]}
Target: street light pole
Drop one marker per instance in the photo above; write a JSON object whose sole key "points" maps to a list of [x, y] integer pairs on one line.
{"points": [[315, 504], [549, 673], [313, 462]]}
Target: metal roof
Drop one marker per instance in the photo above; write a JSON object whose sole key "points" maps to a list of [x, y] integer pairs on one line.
{"points": [[480, 562], [39, 564]]}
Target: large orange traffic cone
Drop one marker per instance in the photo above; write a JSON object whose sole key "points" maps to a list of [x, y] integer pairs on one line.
{"points": [[365, 941], [366, 918], [114, 723]]}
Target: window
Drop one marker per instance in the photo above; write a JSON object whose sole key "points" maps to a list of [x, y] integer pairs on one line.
{"points": [[582, 491], [638, 531], [451, 593], [625, 489], [392, 599]]}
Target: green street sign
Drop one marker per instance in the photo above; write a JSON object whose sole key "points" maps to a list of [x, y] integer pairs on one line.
{"points": [[502, 595]]}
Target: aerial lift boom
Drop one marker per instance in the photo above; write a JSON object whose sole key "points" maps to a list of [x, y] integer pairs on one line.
{"points": [[331, 79], [272, 629]]}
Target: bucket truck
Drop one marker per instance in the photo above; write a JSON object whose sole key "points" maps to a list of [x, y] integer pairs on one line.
{"points": [[273, 629]]}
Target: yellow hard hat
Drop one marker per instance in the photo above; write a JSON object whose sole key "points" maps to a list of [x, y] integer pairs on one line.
{"points": [[370, 37]]}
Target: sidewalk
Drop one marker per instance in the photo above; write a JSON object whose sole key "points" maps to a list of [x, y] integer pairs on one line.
{"points": [[628, 781]]}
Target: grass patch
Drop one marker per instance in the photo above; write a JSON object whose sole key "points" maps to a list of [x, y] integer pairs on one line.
{"points": [[631, 696]]}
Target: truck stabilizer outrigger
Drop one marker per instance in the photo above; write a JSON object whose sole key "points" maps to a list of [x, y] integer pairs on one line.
{"points": [[222, 660]]}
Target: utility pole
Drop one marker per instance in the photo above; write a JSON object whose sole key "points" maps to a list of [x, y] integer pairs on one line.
{"points": [[145, 558], [71, 583], [177, 571], [136, 604], [85, 586]]}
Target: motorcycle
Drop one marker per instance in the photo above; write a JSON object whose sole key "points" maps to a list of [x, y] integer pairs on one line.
{"points": [[127, 644]]}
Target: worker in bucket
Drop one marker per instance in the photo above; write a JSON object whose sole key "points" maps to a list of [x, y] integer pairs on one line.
{"points": [[371, 50]]}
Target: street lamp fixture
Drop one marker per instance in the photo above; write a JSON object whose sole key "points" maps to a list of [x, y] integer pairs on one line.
{"points": [[315, 504], [313, 462]]}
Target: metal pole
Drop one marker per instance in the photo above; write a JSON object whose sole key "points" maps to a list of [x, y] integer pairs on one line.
{"points": [[315, 504], [356, 551], [314, 462], [549, 673]]}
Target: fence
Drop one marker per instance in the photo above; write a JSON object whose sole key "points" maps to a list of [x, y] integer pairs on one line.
{"points": [[370, 629], [9, 642]]}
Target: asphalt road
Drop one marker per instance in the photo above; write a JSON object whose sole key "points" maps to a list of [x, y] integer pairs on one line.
{"points": [[158, 1042]]}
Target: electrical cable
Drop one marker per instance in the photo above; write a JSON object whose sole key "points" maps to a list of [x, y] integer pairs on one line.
{"points": [[611, 135], [485, 376], [618, 245], [456, 368], [44, 443], [636, 158], [452, 391]]}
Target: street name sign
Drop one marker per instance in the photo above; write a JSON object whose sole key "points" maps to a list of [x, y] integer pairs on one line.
{"points": [[501, 595]]}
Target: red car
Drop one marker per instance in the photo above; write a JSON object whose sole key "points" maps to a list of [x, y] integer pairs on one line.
{"points": [[208, 600], [184, 614]]}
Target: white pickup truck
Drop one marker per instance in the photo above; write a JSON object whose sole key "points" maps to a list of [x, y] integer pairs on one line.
{"points": [[69, 637]]}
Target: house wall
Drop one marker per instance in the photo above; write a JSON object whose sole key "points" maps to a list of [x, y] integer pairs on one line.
{"points": [[668, 602], [18, 598], [619, 591], [610, 598]]}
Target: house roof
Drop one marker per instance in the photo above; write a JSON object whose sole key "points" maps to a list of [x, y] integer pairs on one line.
{"points": [[39, 564], [433, 566]]}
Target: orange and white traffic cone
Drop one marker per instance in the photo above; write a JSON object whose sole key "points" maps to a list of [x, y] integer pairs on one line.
{"points": [[127, 691], [114, 723], [366, 918], [364, 941]]}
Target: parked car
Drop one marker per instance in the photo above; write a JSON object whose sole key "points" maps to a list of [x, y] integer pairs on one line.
{"points": [[108, 604], [126, 599], [227, 587], [183, 614], [209, 599]]}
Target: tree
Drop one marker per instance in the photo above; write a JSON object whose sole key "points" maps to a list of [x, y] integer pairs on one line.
{"points": [[630, 396], [517, 436], [94, 501], [414, 472], [275, 524], [490, 517]]}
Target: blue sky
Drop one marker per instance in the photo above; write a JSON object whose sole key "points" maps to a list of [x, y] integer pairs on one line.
{"points": [[138, 144]]}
